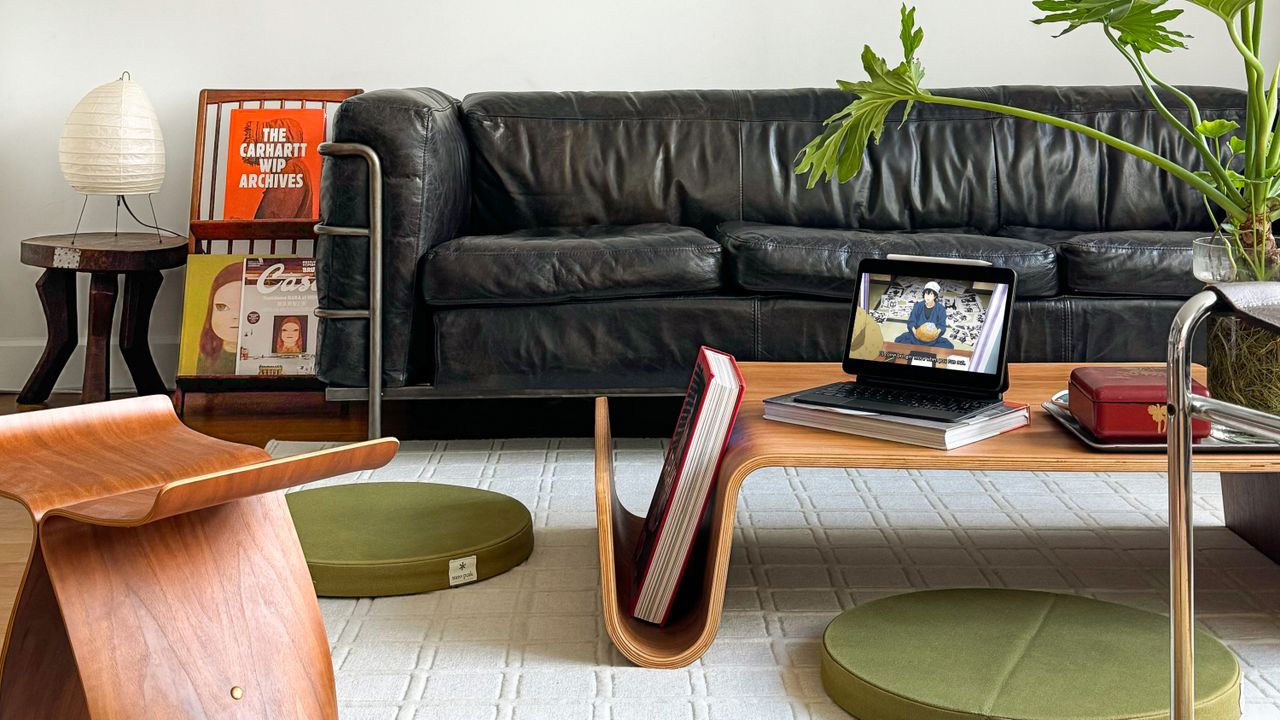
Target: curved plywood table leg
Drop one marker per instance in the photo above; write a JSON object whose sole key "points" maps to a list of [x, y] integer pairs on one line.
{"points": [[44, 682], [166, 579], [699, 603]]}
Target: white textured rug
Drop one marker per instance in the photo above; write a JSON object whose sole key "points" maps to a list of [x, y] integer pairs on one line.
{"points": [[530, 644]]}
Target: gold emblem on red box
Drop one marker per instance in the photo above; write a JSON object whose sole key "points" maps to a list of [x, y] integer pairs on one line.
{"points": [[1159, 413]]}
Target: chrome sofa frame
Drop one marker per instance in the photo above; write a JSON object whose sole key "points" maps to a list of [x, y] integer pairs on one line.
{"points": [[374, 312]]}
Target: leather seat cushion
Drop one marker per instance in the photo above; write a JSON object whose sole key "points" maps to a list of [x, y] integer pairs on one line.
{"points": [[823, 262], [1048, 236], [548, 265], [1130, 262], [652, 342]]}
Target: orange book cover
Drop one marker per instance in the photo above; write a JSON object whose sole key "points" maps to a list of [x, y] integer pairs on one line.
{"points": [[273, 167]]}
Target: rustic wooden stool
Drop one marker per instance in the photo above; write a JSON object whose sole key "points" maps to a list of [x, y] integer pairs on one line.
{"points": [[139, 257], [165, 579]]}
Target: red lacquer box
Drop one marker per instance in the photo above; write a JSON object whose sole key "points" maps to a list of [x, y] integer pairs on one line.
{"points": [[1123, 404]]}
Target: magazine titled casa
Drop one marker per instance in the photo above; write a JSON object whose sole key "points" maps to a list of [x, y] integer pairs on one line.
{"points": [[277, 325]]}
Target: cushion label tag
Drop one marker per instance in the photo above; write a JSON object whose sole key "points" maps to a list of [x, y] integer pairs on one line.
{"points": [[462, 570]]}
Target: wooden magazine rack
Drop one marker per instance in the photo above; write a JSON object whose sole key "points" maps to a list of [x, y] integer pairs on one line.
{"points": [[209, 235], [698, 605], [164, 579]]}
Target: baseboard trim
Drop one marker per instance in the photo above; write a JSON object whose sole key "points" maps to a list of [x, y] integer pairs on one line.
{"points": [[19, 355]]}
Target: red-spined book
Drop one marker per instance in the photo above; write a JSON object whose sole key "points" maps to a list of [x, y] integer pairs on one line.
{"points": [[685, 487]]}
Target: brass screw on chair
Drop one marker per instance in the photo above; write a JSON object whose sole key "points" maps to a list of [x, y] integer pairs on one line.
{"points": [[237, 692]]}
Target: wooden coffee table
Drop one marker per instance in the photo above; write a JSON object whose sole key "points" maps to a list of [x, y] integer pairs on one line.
{"points": [[1251, 491]]}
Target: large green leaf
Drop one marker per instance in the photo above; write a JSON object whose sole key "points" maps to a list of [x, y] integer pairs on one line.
{"points": [[1145, 28], [839, 150], [1077, 13], [1216, 128], [1225, 9], [910, 35], [1140, 24]]}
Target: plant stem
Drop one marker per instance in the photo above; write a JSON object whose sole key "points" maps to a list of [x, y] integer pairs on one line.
{"points": [[1246, 25], [1210, 159], [1172, 89], [1273, 136], [1256, 41], [1268, 148], [1255, 235], [1255, 74], [1234, 210], [1224, 182]]}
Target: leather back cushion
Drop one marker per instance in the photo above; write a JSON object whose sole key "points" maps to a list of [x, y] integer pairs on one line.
{"points": [[701, 157], [937, 170], [608, 158], [1058, 179]]}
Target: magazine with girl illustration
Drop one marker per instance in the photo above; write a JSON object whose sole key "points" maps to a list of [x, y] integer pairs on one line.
{"points": [[248, 316]]}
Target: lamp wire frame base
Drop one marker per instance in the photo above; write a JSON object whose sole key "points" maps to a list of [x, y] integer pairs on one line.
{"points": [[120, 200]]}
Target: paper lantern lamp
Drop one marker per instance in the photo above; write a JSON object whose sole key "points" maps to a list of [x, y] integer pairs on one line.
{"points": [[111, 143]]}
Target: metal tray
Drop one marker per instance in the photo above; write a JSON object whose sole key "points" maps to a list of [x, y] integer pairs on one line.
{"points": [[1238, 442]]}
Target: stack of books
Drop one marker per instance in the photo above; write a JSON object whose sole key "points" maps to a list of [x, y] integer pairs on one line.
{"points": [[928, 433]]}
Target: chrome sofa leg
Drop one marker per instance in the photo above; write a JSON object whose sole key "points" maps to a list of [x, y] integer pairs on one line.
{"points": [[374, 233]]}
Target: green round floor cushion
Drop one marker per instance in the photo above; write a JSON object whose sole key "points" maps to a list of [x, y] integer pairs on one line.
{"points": [[1013, 654], [400, 538]]}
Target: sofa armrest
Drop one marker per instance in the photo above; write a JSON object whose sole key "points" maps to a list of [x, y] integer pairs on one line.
{"points": [[419, 137]]}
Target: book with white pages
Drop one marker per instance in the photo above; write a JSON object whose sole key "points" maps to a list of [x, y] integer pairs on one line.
{"points": [[687, 483], [934, 434]]}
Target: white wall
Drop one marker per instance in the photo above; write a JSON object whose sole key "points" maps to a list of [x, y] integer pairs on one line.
{"points": [[53, 51]]}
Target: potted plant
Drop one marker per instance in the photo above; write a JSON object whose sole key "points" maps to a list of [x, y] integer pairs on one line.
{"points": [[1239, 171]]}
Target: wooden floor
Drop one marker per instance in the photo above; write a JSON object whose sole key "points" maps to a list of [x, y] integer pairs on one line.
{"points": [[16, 534], [258, 418], [254, 420]]}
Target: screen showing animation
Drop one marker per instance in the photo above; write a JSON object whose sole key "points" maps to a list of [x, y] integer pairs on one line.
{"points": [[939, 323]]}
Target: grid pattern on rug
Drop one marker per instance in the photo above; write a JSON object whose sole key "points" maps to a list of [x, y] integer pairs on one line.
{"points": [[810, 543]]}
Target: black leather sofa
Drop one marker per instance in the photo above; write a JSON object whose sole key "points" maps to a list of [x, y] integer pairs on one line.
{"points": [[574, 242]]}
